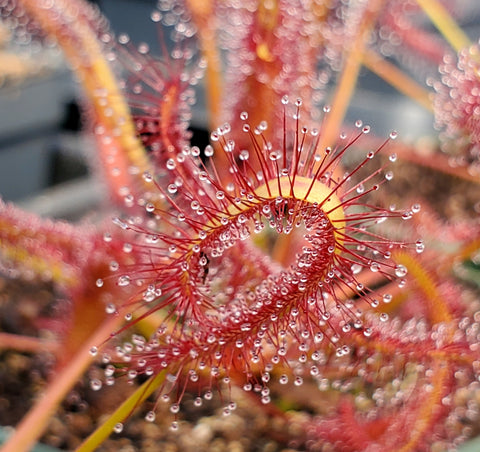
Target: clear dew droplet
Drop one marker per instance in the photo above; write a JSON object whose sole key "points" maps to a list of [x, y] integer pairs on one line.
{"points": [[150, 207], [416, 208], [99, 282], [208, 151], [143, 48], [150, 416], [244, 155], [387, 298], [247, 387], [123, 280], [156, 16], [110, 308], [120, 223], [147, 177], [393, 134], [356, 269], [298, 381], [96, 384], [94, 351], [118, 427], [123, 38], [419, 246], [401, 271]]}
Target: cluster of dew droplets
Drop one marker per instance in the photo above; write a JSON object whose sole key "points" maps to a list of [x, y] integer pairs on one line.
{"points": [[161, 89], [410, 345], [400, 271], [457, 107]]}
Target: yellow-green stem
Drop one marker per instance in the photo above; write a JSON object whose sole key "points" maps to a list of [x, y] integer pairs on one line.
{"points": [[395, 77], [348, 79], [121, 413], [445, 24]]}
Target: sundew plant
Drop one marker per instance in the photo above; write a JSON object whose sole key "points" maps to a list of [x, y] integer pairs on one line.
{"points": [[281, 258]]}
